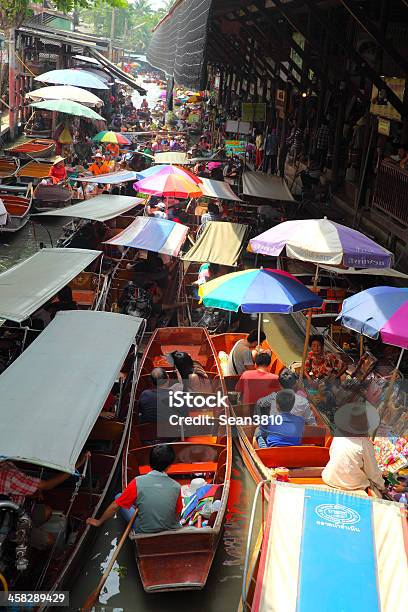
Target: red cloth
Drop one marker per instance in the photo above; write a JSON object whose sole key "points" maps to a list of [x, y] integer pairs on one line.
{"points": [[129, 496], [254, 384], [58, 173], [16, 484], [258, 158]]}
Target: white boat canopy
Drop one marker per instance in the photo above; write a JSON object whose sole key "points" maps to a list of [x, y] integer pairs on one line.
{"points": [[260, 185], [365, 271], [53, 393], [112, 178], [218, 189], [100, 208], [28, 285], [171, 157]]}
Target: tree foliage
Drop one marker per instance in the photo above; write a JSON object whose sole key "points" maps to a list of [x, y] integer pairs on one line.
{"points": [[13, 12], [133, 24]]}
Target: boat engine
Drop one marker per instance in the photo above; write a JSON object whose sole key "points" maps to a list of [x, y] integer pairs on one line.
{"points": [[15, 526]]}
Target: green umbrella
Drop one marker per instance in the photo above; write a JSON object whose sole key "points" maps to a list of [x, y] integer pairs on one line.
{"points": [[68, 107]]}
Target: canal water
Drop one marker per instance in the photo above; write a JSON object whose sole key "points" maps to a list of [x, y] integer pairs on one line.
{"points": [[123, 590]]}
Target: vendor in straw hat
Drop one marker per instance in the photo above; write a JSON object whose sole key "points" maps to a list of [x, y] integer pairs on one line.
{"points": [[58, 172], [352, 465], [99, 166]]}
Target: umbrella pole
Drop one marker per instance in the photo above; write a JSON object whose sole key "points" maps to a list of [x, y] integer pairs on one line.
{"points": [[361, 345], [391, 385], [259, 327], [308, 325]]}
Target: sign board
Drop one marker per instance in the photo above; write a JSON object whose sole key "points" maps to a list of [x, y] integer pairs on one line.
{"points": [[235, 147], [379, 103], [253, 112], [238, 127], [384, 126]]}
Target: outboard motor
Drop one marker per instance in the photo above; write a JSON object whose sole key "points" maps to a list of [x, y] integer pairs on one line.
{"points": [[15, 526]]}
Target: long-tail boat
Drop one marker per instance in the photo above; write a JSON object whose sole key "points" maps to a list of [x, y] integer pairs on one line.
{"points": [[33, 172], [305, 462], [180, 559], [91, 355], [33, 148], [18, 210], [8, 168], [34, 283]]}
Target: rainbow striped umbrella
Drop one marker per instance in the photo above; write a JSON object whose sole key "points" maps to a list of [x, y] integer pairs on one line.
{"points": [[258, 290], [106, 137], [169, 184]]}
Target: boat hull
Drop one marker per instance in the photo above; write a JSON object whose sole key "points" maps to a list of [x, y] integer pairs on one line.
{"points": [[181, 559]]}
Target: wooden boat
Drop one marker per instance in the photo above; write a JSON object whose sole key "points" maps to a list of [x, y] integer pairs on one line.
{"points": [[58, 567], [32, 149], [51, 197], [180, 559], [305, 462], [33, 172], [121, 276], [18, 209], [19, 308], [8, 168]]}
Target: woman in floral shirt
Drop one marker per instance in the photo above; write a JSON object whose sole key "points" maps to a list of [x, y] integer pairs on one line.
{"points": [[320, 365]]}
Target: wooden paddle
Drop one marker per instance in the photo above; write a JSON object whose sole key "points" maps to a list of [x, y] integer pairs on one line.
{"points": [[94, 595]]}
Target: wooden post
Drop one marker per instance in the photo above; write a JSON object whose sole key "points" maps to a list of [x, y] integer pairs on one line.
{"points": [[11, 39], [308, 325]]}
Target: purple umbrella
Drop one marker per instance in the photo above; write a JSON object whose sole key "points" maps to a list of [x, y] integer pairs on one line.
{"points": [[323, 242]]}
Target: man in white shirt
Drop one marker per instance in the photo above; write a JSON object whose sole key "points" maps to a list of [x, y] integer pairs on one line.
{"points": [[240, 359], [352, 465]]}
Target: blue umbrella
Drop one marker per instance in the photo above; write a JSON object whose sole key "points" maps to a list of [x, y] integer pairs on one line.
{"points": [[72, 76]]}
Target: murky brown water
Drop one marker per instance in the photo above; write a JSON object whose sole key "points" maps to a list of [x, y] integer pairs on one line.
{"points": [[123, 590]]}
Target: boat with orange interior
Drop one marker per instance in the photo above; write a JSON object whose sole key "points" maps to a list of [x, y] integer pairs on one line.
{"points": [[305, 462], [33, 148], [18, 209], [181, 559]]}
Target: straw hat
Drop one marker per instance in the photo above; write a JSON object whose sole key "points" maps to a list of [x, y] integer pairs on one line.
{"points": [[359, 419], [58, 159], [192, 488]]}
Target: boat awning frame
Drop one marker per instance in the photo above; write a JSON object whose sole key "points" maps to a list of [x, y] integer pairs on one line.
{"points": [[221, 243], [116, 72], [31, 283], [266, 186], [100, 208], [366, 271], [171, 157], [53, 393]]}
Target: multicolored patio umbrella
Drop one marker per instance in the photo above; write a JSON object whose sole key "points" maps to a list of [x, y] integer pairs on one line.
{"points": [[258, 291], [323, 242], [378, 312], [170, 170], [111, 137], [169, 184], [150, 234]]}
